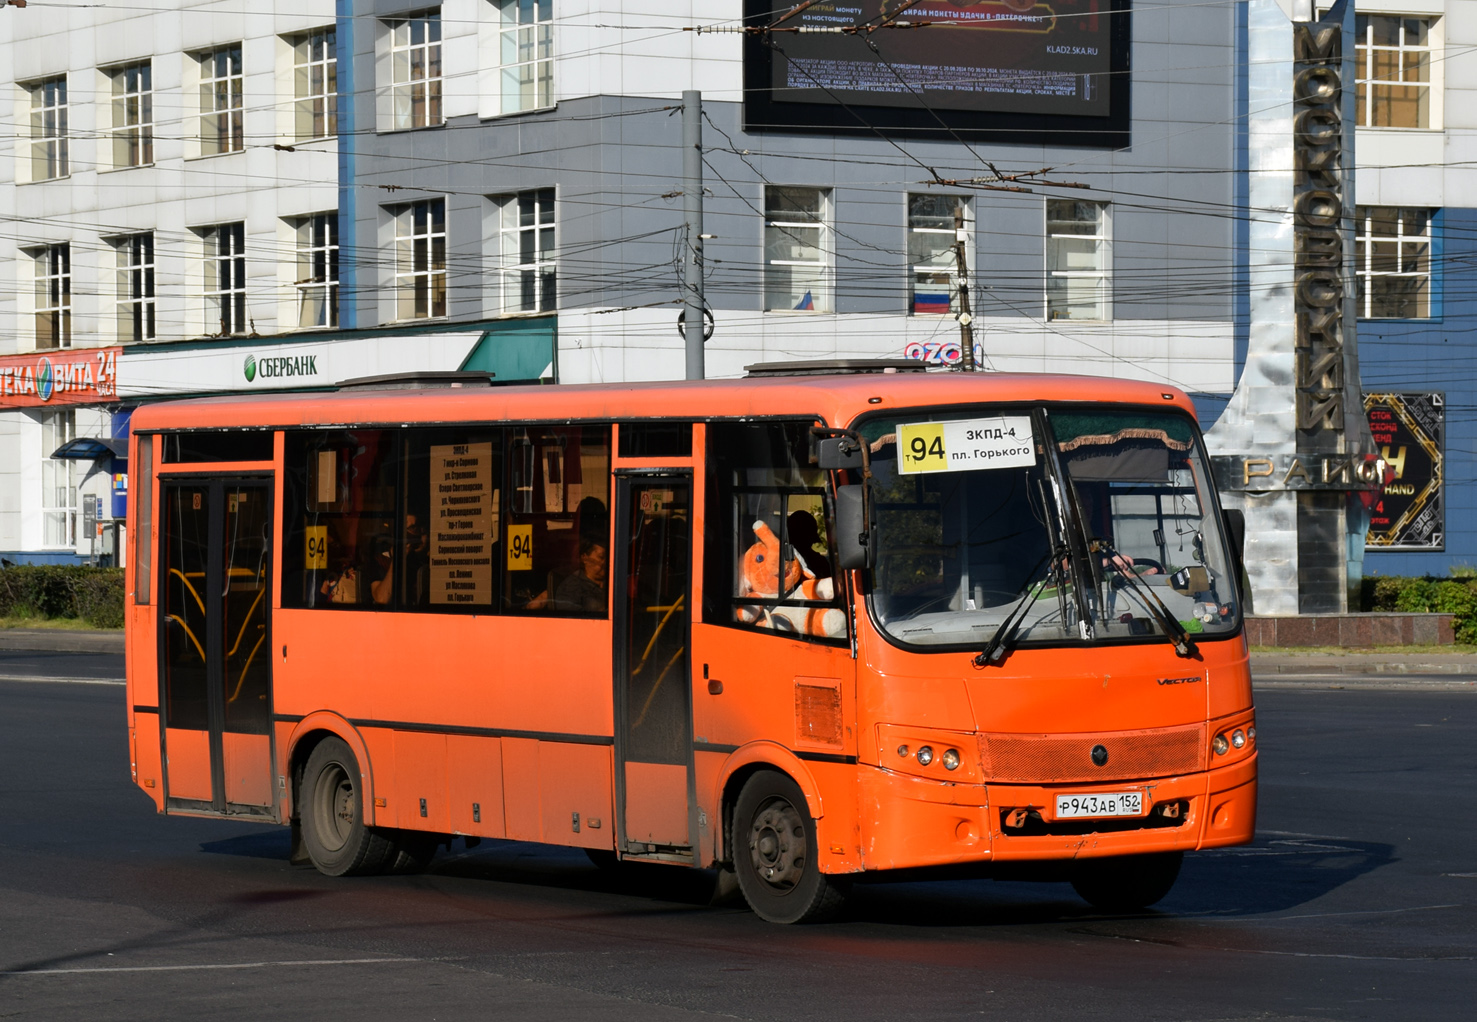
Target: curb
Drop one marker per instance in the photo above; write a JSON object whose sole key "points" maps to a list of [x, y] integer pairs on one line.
{"points": [[1363, 664], [48, 640]]}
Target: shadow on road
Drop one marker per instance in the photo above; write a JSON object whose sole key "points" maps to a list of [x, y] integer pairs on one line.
{"points": [[1275, 873]]}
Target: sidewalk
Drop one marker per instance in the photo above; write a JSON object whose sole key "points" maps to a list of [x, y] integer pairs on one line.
{"points": [[61, 640]]}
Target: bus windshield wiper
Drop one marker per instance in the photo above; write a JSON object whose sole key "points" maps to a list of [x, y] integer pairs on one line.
{"points": [[1183, 645], [999, 644]]}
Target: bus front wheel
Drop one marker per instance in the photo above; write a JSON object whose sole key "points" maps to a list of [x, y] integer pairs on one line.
{"points": [[775, 854], [1127, 883], [332, 812]]}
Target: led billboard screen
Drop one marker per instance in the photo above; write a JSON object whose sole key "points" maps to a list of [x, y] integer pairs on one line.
{"points": [[1003, 70]]}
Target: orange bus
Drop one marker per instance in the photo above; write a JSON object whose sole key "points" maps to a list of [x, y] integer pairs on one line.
{"points": [[829, 620]]}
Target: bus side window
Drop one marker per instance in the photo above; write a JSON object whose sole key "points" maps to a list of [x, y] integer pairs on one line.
{"points": [[450, 541], [556, 525], [340, 518], [770, 563]]}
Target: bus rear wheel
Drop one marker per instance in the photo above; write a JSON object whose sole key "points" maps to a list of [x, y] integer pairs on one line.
{"points": [[1127, 883], [334, 833], [775, 854]]}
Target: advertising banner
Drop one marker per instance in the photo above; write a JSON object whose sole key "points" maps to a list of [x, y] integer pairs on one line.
{"points": [[940, 65], [1409, 430], [76, 376]]}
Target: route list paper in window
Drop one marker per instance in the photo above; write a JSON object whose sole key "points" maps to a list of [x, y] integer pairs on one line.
{"points": [[464, 508]]}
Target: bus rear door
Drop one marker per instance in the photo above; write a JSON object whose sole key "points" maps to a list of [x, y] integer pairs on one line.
{"points": [[215, 663], [655, 786]]}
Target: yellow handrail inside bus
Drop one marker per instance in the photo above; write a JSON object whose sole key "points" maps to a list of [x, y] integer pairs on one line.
{"points": [[186, 581], [181, 622], [246, 623], [660, 625], [252, 656], [660, 678]]}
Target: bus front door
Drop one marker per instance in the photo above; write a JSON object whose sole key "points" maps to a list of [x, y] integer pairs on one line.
{"points": [[655, 785], [215, 663]]}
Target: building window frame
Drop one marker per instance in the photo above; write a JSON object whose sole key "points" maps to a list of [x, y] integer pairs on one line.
{"points": [[225, 279], [315, 84], [798, 221], [1394, 267], [1396, 65], [420, 259], [933, 265], [525, 51], [50, 142], [53, 296], [132, 87], [222, 101], [528, 241], [316, 279], [1066, 273], [416, 71], [136, 304], [58, 481]]}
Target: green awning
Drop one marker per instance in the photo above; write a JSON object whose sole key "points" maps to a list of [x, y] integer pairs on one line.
{"points": [[522, 351]]}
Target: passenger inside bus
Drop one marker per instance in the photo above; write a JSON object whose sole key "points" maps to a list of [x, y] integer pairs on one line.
{"points": [[585, 590]]}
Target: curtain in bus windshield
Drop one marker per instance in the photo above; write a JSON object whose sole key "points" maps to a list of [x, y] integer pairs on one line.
{"points": [[958, 550], [773, 558], [1148, 506]]}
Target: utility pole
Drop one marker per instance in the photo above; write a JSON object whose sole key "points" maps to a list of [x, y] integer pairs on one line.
{"points": [[692, 204], [966, 318]]}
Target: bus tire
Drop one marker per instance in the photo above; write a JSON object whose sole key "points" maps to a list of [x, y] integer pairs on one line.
{"points": [[1127, 883], [775, 854], [335, 836]]}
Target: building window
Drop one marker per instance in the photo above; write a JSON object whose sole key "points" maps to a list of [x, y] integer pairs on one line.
{"points": [[133, 115], [526, 52], [530, 274], [796, 250], [49, 129], [420, 260], [221, 103], [1393, 260], [415, 58], [58, 480], [315, 84], [933, 261], [317, 270], [54, 297], [135, 263], [1076, 259], [1394, 71], [225, 279]]}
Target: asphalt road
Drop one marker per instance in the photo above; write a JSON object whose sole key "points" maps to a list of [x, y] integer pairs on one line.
{"points": [[1358, 900]]}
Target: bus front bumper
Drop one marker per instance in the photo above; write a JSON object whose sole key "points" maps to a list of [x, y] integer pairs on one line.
{"points": [[910, 822]]}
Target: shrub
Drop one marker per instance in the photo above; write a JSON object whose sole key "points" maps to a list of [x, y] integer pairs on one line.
{"points": [[63, 591]]}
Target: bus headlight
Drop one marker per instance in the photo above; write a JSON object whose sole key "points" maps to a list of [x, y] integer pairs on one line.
{"points": [[1238, 738], [925, 755], [1220, 745], [951, 759]]}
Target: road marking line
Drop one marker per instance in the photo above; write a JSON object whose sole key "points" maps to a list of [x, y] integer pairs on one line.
{"points": [[188, 968], [38, 679]]}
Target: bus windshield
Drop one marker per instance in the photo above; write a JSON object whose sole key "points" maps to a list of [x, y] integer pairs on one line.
{"points": [[1090, 525]]}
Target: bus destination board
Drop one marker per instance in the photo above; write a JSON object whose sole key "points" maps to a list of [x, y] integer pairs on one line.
{"points": [[463, 529]]}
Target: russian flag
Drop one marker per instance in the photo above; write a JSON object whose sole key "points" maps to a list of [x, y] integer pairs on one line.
{"points": [[930, 304], [807, 304]]}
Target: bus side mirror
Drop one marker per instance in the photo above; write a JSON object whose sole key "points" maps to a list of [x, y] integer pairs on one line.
{"points": [[838, 452], [853, 537], [1235, 520]]}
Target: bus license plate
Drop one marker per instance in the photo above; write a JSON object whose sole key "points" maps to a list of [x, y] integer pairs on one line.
{"points": [[1112, 803]]}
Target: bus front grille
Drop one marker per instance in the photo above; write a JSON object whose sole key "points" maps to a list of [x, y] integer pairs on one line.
{"points": [[1049, 759]]}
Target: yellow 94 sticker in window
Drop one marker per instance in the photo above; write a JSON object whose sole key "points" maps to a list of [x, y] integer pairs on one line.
{"points": [[520, 547], [315, 558], [1004, 441]]}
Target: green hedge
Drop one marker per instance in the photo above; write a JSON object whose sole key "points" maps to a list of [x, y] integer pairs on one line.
{"points": [[63, 591], [1424, 595]]}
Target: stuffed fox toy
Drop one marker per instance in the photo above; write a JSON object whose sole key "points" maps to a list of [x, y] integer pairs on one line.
{"points": [[759, 575]]}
